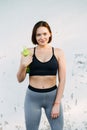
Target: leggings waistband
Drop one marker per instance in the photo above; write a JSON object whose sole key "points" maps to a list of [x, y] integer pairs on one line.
{"points": [[42, 90]]}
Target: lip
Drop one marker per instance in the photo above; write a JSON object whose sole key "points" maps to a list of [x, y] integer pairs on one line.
{"points": [[42, 41]]}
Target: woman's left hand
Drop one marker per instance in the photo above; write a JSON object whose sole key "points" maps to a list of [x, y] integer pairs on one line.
{"points": [[55, 111]]}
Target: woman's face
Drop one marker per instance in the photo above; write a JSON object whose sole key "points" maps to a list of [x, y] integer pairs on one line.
{"points": [[42, 36]]}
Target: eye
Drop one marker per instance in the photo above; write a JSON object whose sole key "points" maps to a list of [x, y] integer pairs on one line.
{"points": [[38, 34], [45, 34]]}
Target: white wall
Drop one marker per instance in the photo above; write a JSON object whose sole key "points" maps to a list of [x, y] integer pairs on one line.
{"points": [[68, 20]]}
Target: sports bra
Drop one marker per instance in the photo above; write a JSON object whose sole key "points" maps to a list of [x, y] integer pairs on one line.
{"points": [[43, 68]]}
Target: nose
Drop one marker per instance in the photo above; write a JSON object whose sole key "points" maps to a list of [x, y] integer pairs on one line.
{"points": [[42, 36]]}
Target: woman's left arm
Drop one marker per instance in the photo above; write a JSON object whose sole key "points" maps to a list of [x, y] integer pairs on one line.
{"points": [[61, 78]]}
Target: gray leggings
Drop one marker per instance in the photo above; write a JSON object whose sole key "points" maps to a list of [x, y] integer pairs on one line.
{"points": [[34, 102]]}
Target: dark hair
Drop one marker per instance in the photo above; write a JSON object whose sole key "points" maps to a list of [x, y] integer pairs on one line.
{"points": [[36, 26]]}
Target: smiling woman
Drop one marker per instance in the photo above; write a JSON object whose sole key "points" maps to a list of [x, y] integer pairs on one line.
{"points": [[68, 20], [42, 35], [43, 91], [41, 29]]}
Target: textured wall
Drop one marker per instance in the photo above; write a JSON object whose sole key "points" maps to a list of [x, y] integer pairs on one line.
{"points": [[74, 100], [68, 20]]}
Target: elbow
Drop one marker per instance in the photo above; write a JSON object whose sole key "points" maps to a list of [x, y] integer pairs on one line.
{"points": [[19, 79], [62, 81]]}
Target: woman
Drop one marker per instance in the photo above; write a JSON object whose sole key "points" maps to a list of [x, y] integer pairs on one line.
{"points": [[46, 63]]}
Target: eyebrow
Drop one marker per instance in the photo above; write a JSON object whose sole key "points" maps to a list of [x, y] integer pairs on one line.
{"points": [[41, 33]]}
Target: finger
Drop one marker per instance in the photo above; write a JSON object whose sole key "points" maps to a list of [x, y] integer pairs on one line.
{"points": [[54, 115]]}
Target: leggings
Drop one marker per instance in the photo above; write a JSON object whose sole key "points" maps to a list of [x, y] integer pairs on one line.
{"points": [[35, 100]]}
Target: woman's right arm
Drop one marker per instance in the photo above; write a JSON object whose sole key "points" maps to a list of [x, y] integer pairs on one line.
{"points": [[24, 62], [21, 74]]}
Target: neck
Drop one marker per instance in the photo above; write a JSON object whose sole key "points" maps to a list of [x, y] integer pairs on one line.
{"points": [[43, 47]]}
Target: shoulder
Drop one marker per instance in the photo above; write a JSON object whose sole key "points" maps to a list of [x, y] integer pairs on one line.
{"points": [[31, 50], [58, 50], [59, 53]]}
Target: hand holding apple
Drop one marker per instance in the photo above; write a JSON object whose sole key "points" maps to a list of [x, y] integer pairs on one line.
{"points": [[25, 53]]}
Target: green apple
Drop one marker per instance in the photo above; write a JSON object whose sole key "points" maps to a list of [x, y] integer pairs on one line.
{"points": [[27, 70], [26, 52]]}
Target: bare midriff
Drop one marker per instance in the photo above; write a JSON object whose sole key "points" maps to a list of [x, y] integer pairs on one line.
{"points": [[42, 82]]}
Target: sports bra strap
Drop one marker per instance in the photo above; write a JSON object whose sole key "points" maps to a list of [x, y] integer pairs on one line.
{"points": [[34, 51], [53, 50]]}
